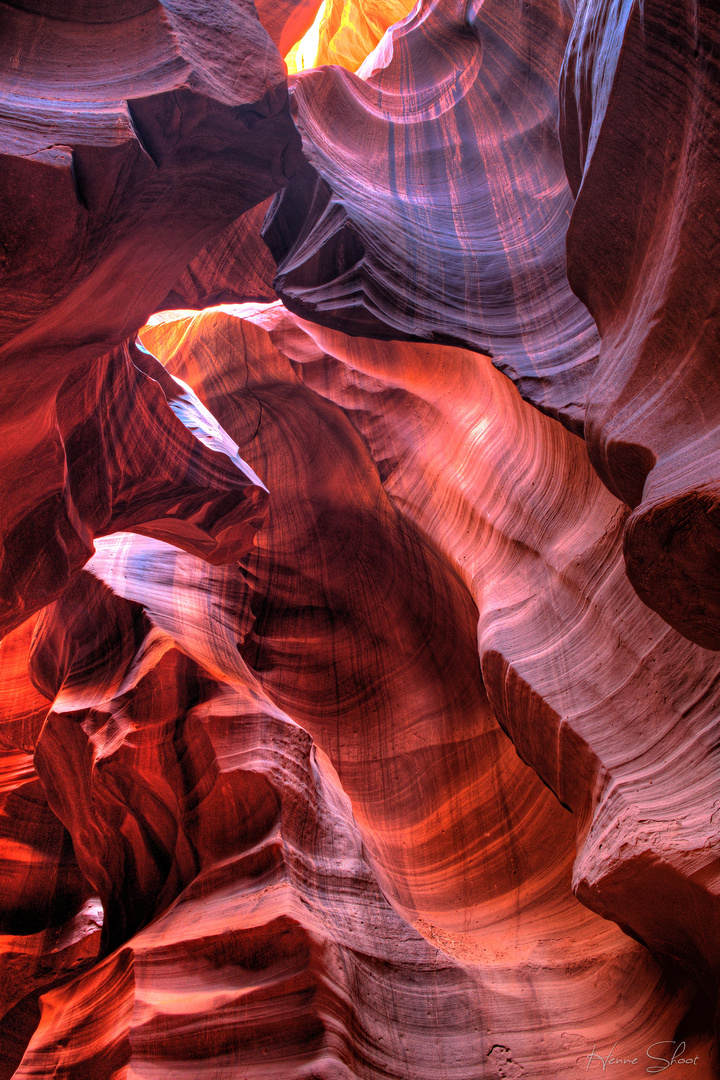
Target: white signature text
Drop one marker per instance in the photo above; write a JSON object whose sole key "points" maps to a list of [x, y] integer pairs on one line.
{"points": [[675, 1050]]}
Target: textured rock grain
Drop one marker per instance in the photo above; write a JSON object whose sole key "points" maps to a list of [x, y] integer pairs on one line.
{"points": [[262, 917], [641, 139], [436, 206], [471, 883], [335, 740], [127, 140]]}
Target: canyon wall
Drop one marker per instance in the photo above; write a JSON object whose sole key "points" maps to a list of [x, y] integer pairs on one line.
{"points": [[359, 681]]}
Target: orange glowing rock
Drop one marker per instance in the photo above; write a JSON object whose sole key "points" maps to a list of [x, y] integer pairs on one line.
{"points": [[355, 617], [336, 742], [128, 140], [464, 460], [345, 32]]}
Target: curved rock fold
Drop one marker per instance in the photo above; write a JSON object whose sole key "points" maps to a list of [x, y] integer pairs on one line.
{"points": [[359, 672]]}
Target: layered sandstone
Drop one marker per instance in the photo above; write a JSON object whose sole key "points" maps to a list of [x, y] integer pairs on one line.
{"points": [[227, 856], [127, 140], [358, 708], [437, 208], [641, 140]]}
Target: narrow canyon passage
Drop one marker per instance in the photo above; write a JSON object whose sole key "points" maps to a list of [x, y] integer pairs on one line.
{"points": [[359, 676]]}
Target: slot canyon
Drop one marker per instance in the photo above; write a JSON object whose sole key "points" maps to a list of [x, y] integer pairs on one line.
{"points": [[359, 539]]}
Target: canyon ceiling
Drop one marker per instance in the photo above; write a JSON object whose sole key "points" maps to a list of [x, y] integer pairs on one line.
{"points": [[360, 539]]}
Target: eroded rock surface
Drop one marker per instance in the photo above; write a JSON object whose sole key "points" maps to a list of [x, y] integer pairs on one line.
{"points": [[127, 141], [438, 211], [336, 737], [472, 849], [445, 431], [641, 139], [436, 207]]}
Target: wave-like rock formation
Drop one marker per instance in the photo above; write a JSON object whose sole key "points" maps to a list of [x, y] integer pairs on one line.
{"points": [[127, 140], [274, 951], [148, 736], [444, 430], [641, 139], [50, 916], [345, 32], [438, 208], [358, 708], [236, 266], [439, 211], [89, 476]]}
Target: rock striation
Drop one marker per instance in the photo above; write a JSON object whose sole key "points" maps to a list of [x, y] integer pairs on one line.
{"points": [[437, 209], [220, 743], [471, 848], [133, 142], [641, 141], [359, 670], [445, 430]]}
